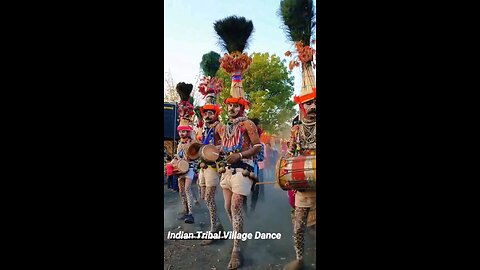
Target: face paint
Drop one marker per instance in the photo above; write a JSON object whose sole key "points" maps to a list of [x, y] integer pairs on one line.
{"points": [[183, 133], [209, 117], [234, 110], [311, 110]]}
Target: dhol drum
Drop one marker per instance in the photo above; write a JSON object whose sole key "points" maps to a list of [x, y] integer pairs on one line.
{"points": [[210, 153], [297, 173], [177, 167], [207, 152]]}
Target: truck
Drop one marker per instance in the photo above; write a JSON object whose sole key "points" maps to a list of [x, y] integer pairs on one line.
{"points": [[170, 124]]}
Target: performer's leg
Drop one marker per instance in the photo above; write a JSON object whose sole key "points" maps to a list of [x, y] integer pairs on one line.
{"points": [[215, 224], [194, 194], [189, 194], [237, 224], [212, 207], [245, 207], [227, 196], [201, 183], [237, 217], [299, 226], [181, 187], [202, 192]]}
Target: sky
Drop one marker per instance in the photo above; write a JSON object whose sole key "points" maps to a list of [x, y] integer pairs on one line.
{"points": [[189, 33]]}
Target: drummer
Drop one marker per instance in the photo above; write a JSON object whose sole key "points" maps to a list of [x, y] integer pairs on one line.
{"points": [[209, 177], [185, 111], [185, 180], [303, 142]]}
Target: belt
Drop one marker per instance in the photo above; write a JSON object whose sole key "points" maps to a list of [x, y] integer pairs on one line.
{"points": [[240, 165]]}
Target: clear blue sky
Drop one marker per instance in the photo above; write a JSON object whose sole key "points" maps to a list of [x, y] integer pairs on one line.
{"points": [[189, 33]]}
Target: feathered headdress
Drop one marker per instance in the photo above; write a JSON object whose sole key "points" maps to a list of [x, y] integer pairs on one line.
{"points": [[298, 19], [210, 64], [185, 108], [234, 33], [210, 86]]}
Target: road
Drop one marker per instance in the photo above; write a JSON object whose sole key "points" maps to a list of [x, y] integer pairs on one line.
{"points": [[272, 214]]}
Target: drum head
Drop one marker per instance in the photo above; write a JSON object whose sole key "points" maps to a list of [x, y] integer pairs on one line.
{"points": [[183, 166], [210, 153], [279, 174], [193, 151]]}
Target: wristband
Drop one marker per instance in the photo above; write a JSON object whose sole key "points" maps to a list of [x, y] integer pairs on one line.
{"points": [[241, 156]]}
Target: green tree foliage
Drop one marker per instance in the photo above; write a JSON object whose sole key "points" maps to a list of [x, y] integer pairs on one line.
{"points": [[269, 88]]}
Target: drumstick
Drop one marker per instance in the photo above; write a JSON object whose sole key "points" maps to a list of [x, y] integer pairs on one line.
{"points": [[264, 183]]}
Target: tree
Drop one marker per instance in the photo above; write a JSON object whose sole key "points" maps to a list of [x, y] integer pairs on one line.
{"points": [[170, 93], [269, 88]]}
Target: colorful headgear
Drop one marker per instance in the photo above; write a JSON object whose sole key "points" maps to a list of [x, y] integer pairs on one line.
{"points": [[185, 108], [298, 18], [210, 86], [184, 125], [234, 33]]}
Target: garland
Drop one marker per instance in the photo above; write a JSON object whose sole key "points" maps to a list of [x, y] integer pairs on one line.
{"points": [[303, 54], [235, 61]]}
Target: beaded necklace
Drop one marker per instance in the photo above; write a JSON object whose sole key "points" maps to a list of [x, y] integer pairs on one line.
{"points": [[232, 136]]}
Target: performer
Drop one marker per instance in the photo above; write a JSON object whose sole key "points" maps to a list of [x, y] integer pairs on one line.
{"points": [[297, 15], [185, 109], [239, 137], [208, 177]]}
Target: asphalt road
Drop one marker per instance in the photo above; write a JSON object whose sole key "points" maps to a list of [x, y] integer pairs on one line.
{"points": [[272, 214]]}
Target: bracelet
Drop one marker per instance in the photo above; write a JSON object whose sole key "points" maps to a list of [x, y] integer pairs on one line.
{"points": [[241, 156]]}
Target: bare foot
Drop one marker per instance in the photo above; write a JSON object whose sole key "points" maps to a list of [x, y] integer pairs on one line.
{"points": [[235, 261], [294, 265]]}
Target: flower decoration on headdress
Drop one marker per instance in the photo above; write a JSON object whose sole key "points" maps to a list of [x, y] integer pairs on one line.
{"points": [[299, 24], [303, 54]]}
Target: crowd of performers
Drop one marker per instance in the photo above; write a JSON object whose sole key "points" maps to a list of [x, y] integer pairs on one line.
{"points": [[227, 154]]}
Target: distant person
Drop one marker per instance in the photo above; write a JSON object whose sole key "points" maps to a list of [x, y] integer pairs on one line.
{"points": [[169, 177], [258, 166], [271, 156], [284, 147]]}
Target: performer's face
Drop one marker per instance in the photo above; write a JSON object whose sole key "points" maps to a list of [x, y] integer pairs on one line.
{"points": [[311, 109], [210, 99], [234, 110], [183, 133], [209, 117]]}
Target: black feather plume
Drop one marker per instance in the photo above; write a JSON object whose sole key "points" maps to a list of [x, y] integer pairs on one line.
{"points": [[233, 33], [210, 63], [184, 90], [298, 19]]}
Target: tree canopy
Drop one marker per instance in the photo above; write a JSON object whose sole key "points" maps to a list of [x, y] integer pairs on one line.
{"points": [[269, 88]]}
